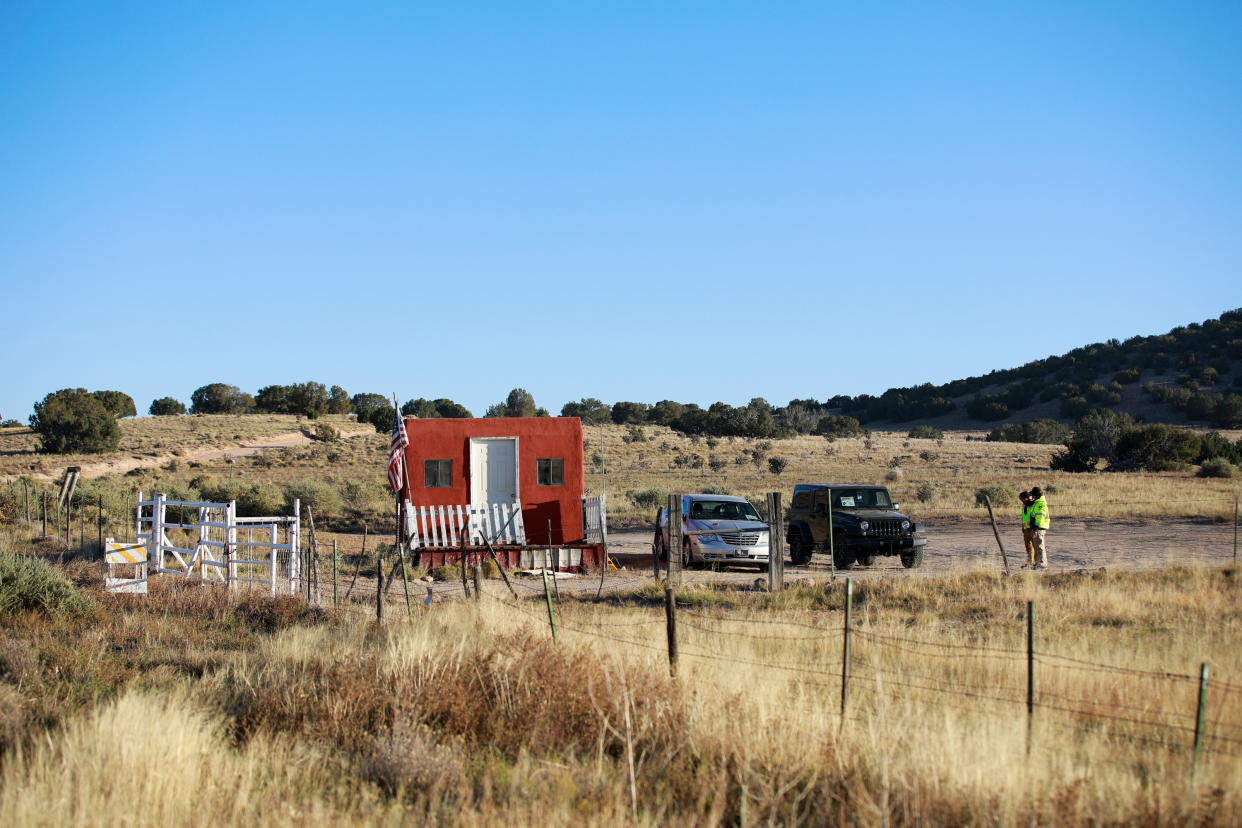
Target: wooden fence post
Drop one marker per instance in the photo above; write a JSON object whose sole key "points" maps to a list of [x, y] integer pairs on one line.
{"points": [[655, 548], [336, 601], [670, 621], [405, 582], [776, 543], [845, 646], [987, 501], [100, 522], [1235, 531], [547, 594], [379, 583], [676, 541]]}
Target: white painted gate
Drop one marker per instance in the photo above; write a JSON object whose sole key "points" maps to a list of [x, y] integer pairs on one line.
{"points": [[208, 542]]}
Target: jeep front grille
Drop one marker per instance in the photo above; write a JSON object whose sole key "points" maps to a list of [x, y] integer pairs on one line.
{"points": [[740, 538], [886, 528]]}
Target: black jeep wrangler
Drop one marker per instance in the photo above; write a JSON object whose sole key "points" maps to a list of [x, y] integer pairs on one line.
{"points": [[865, 524]]}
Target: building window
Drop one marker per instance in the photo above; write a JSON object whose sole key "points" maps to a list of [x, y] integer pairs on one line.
{"points": [[437, 474], [550, 471]]}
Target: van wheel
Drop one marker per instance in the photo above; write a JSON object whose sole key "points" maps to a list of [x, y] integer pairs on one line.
{"points": [[686, 562], [800, 546]]}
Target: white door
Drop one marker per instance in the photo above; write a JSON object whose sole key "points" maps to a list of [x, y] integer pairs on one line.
{"points": [[493, 470]]}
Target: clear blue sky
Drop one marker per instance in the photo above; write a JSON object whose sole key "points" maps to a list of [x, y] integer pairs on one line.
{"points": [[695, 201]]}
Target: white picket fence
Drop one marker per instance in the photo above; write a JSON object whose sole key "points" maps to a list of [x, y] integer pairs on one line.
{"points": [[220, 547], [595, 519], [442, 526]]}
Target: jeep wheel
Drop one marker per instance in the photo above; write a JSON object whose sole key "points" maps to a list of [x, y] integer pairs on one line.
{"points": [[866, 560], [913, 558], [842, 557], [800, 546]]}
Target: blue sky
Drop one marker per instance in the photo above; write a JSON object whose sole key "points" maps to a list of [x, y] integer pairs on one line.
{"points": [[694, 201]]}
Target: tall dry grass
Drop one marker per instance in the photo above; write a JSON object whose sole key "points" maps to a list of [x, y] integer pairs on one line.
{"points": [[192, 706]]}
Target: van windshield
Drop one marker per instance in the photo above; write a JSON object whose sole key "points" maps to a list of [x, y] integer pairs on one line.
{"points": [[861, 499], [722, 510]]}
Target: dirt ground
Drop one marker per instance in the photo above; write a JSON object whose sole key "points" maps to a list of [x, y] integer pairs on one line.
{"points": [[966, 546], [953, 548]]}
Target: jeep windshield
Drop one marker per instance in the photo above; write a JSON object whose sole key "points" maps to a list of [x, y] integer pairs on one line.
{"points": [[861, 499], [722, 510]]}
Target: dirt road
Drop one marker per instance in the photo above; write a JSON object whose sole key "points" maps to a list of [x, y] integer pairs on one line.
{"points": [[963, 547], [954, 548]]}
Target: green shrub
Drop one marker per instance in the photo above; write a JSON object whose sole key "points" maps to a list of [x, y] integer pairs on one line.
{"points": [[988, 407], [489, 570], [365, 496], [777, 464], [1218, 467], [323, 499], [448, 572], [648, 498], [1128, 376], [118, 403], [1214, 444], [835, 425], [220, 398], [29, 585], [325, 433], [74, 420], [926, 492], [634, 434], [166, 407], [926, 432], [1048, 432], [998, 493], [1156, 448]]}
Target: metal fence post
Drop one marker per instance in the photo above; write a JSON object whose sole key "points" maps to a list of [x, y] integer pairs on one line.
{"points": [[845, 646], [1200, 712], [1030, 672]]}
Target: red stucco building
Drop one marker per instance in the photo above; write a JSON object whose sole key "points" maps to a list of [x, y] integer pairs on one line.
{"points": [[534, 462]]}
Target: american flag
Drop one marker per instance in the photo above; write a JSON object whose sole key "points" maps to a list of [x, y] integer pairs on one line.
{"points": [[396, 455]]}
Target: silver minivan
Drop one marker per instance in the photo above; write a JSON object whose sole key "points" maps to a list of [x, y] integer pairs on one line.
{"points": [[727, 530]]}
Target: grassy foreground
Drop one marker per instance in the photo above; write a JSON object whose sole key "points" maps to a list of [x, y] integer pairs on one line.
{"points": [[192, 707]]}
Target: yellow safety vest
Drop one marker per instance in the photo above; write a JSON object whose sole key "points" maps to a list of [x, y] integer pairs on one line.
{"points": [[1039, 512], [1026, 517]]}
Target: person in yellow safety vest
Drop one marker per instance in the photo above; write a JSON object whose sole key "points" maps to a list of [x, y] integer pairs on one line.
{"points": [[1038, 522], [1028, 538]]}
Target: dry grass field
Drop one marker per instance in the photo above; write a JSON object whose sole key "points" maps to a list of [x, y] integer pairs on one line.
{"points": [[191, 707], [149, 437], [934, 480], [951, 469]]}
